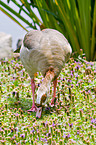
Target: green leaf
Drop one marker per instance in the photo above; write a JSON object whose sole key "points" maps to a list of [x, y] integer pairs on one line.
{"points": [[16, 14], [8, 1], [10, 16], [76, 19], [93, 39], [21, 8]]}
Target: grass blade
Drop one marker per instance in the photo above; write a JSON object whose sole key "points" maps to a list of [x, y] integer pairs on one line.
{"points": [[17, 15], [93, 42]]}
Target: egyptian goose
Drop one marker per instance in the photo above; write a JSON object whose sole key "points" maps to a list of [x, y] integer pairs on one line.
{"points": [[44, 51]]}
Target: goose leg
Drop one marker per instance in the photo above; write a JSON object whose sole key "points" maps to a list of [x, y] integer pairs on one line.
{"points": [[34, 108], [54, 94]]}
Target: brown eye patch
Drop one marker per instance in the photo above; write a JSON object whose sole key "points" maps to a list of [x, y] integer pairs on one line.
{"points": [[43, 98]]}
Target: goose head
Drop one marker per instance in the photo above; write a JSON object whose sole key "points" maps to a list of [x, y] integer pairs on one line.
{"points": [[40, 102], [42, 91]]}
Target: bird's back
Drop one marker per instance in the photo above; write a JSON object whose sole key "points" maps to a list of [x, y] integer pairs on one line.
{"points": [[43, 50]]}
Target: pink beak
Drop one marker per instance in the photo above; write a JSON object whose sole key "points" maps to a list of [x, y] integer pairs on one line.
{"points": [[39, 112]]}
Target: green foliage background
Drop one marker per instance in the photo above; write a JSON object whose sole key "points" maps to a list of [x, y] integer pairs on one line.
{"points": [[76, 19]]}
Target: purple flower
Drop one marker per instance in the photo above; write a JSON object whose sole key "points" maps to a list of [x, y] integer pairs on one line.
{"points": [[64, 135], [47, 108], [16, 114], [12, 61], [71, 85], [91, 63], [2, 141], [71, 75], [69, 81], [41, 139], [38, 84], [87, 62], [94, 126], [48, 134], [68, 135], [81, 110], [13, 138], [72, 140], [70, 125], [77, 67], [89, 81], [0, 128], [46, 122], [17, 65], [22, 135], [53, 124], [93, 121], [38, 138], [77, 62], [12, 129], [45, 139], [62, 79], [89, 91], [95, 71], [33, 130], [76, 76], [77, 85], [16, 129], [78, 131], [89, 67]]}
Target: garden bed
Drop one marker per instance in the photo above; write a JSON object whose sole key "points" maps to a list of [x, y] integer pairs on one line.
{"points": [[71, 121]]}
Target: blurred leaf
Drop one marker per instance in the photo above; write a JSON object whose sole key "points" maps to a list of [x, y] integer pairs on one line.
{"points": [[21, 8], [75, 19], [93, 39], [8, 1], [10, 16]]}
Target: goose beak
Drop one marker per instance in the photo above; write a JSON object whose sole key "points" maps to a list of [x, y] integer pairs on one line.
{"points": [[39, 112]]}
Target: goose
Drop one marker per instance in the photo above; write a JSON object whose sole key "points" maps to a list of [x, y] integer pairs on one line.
{"points": [[44, 51]]}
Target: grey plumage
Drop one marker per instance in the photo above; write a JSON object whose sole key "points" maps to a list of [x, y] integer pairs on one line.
{"points": [[42, 50]]}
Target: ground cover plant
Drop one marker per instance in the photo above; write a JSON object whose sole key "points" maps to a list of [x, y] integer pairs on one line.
{"points": [[70, 121]]}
